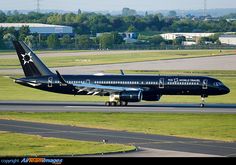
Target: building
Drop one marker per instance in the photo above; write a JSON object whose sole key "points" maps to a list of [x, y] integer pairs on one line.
{"points": [[188, 36], [45, 29], [228, 39], [130, 37], [189, 43]]}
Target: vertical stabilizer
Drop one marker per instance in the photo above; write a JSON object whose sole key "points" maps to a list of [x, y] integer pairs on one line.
{"points": [[30, 63]]}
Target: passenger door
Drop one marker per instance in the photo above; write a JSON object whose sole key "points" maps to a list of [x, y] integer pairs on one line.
{"points": [[161, 83], [205, 84], [50, 81]]}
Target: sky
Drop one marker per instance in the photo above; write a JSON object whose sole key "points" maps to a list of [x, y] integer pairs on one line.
{"points": [[115, 5]]}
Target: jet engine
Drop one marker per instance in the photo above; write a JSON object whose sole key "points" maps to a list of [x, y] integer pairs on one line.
{"points": [[151, 97], [128, 96]]}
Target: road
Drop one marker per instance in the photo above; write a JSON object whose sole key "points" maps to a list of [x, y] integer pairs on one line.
{"points": [[155, 143], [28, 106]]}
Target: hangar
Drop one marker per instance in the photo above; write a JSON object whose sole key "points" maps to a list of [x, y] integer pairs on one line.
{"points": [[228, 39], [39, 28]]}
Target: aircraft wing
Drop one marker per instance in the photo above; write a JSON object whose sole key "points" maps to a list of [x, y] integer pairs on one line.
{"points": [[96, 89]]}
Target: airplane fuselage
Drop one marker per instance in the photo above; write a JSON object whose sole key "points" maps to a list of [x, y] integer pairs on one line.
{"points": [[152, 86]]}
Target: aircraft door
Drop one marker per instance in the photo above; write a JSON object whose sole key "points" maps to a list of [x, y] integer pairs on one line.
{"points": [[205, 84], [87, 81], [161, 83], [50, 80]]}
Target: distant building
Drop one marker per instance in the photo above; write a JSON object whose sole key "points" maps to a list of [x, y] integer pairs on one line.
{"points": [[189, 36], [130, 37], [45, 29], [228, 39], [189, 43]]}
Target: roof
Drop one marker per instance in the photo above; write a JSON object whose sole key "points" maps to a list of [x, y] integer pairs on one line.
{"points": [[189, 34], [40, 28], [228, 36], [28, 24]]}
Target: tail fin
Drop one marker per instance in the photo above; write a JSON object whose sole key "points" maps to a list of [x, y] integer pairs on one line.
{"points": [[30, 63]]}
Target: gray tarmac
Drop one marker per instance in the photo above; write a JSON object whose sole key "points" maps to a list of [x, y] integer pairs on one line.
{"points": [[147, 144], [29, 106], [203, 63]]}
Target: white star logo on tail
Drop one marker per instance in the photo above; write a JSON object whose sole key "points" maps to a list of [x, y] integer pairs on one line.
{"points": [[27, 58]]}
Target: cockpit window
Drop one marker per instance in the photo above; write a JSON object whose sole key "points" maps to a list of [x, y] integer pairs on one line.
{"points": [[217, 84]]}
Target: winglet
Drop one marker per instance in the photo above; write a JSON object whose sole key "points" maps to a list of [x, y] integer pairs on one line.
{"points": [[13, 78], [61, 79]]}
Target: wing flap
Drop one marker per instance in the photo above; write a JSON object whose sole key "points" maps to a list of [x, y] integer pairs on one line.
{"points": [[95, 89]]}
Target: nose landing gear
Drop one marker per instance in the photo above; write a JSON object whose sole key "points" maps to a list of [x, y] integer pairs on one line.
{"points": [[202, 104]]}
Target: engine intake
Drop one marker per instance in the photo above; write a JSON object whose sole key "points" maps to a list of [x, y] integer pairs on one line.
{"points": [[131, 96]]}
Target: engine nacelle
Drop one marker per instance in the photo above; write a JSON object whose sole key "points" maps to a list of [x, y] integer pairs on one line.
{"points": [[151, 97], [129, 96]]}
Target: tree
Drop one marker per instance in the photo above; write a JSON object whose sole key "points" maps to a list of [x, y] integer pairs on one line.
{"points": [[83, 41], [131, 28], [172, 13], [156, 40], [2, 44], [66, 41], [106, 41], [118, 24], [99, 23], [7, 39], [3, 16], [30, 41], [24, 32], [118, 39], [53, 41], [79, 12]]}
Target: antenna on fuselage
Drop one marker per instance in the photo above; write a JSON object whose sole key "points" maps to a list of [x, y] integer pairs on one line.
{"points": [[122, 72]]}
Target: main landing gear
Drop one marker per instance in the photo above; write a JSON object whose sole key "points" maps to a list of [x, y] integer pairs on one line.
{"points": [[114, 100], [114, 103]]}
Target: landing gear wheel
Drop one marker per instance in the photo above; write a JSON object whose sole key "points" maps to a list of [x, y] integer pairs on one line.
{"points": [[113, 103], [107, 103], [126, 103]]}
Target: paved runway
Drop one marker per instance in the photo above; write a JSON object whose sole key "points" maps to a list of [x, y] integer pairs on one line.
{"points": [[26, 106], [202, 63], [153, 142]]}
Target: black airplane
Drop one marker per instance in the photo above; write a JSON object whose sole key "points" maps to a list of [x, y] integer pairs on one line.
{"points": [[121, 89]]}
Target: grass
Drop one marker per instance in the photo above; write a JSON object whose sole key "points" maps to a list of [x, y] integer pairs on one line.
{"points": [[11, 91], [202, 126], [14, 144], [13, 52], [83, 60]]}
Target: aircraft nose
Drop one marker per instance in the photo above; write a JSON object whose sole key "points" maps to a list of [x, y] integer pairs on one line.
{"points": [[226, 90]]}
